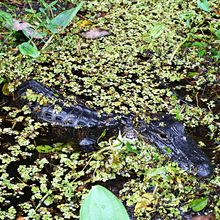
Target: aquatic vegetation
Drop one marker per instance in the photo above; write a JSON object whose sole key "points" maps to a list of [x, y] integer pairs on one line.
{"points": [[54, 25], [162, 56]]}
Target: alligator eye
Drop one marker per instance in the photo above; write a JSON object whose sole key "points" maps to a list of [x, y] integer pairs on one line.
{"points": [[162, 135], [69, 122]]}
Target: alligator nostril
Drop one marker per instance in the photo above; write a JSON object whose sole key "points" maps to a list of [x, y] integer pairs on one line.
{"points": [[184, 138], [58, 119], [204, 170], [48, 115]]}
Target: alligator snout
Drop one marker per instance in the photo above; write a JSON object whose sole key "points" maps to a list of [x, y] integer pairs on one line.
{"points": [[169, 134], [204, 170]]}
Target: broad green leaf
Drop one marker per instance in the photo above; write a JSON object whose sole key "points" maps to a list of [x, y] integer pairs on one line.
{"points": [[217, 33], [201, 53], [103, 134], [215, 53], [44, 149], [59, 146], [198, 204], [1, 80], [28, 50], [63, 19], [46, 6], [188, 23], [156, 156], [167, 150], [204, 5], [52, 4], [43, 11], [156, 172], [101, 204], [188, 17], [6, 19], [178, 113], [199, 44], [157, 30], [5, 89], [52, 27], [131, 149], [192, 74]]}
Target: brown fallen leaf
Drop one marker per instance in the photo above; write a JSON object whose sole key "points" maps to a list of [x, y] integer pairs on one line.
{"points": [[26, 27], [203, 217], [20, 218], [13, 2], [20, 25], [95, 33]]}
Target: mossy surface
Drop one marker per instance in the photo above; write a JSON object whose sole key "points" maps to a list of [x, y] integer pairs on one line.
{"points": [[149, 64]]}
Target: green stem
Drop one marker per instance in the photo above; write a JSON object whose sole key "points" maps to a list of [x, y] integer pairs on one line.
{"points": [[179, 46], [41, 201], [47, 43], [6, 39]]}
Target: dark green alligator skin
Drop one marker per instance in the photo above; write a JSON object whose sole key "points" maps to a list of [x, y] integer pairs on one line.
{"points": [[85, 126]]}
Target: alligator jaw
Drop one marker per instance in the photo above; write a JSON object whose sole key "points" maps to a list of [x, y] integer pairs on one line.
{"points": [[172, 139]]}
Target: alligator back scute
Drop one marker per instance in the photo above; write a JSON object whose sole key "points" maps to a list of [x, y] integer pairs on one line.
{"points": [[75, 116], [35, 87]]}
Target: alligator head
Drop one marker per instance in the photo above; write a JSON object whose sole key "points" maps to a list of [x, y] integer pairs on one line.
{"points": [[171, 138]]}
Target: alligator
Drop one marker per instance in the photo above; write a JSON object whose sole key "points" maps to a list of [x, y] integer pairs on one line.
{"points": [[85, 126]]}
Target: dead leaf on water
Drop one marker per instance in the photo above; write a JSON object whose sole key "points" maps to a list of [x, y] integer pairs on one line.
{"points": [[84, 23], [95, 33], [20, 218], [203, 217], [26, 27], [5, 90]]}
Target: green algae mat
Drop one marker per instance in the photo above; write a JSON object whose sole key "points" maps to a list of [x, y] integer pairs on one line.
{"points": [[151, 57]]}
